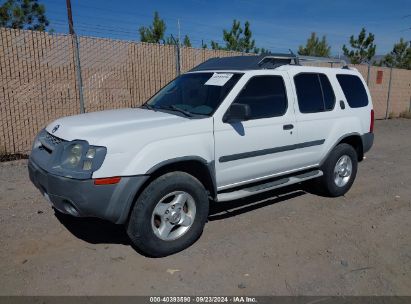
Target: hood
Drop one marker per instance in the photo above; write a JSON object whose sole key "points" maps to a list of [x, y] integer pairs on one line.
{"points": [[97, 125]]}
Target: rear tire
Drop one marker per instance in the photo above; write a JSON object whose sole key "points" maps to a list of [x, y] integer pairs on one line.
{"points": [[340, 170], [169, 215]]}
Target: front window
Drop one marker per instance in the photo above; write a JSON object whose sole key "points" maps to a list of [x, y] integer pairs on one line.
{"points": [[265, 95], [194, 95]]}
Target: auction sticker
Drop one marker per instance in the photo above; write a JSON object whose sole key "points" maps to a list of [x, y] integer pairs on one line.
{"points": [[219, 79]]}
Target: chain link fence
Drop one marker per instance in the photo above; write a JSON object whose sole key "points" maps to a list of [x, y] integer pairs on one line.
{"points": [[39, 78], [40, 81]]}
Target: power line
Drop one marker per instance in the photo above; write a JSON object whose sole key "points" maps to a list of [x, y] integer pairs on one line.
{"points": [[124, 31]]}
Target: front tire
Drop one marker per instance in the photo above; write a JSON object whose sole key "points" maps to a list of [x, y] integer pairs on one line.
{"points": [[169, 215], [340, 170]]}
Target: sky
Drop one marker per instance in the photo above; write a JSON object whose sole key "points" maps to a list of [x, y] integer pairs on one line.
{"points": [[277, 25]]}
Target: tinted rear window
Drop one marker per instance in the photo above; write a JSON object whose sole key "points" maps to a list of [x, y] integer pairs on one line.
{"points": [[354, 90], [314, 93], [329, 98]]}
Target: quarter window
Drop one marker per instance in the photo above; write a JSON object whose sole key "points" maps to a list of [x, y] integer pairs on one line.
{"points": [[266, 96], [354, 90], [314, 93]]}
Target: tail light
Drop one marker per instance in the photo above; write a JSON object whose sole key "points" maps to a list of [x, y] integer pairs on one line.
{"points": [[372, 122]]}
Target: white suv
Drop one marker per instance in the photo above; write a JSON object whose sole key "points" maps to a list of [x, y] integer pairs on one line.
{"points": [[230, 128]]}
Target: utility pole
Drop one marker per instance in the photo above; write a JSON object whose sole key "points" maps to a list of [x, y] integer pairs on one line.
{"points": [[388, 95], [178, 47], [70, 17], [179, 34], [76, 55], [178, 63]]}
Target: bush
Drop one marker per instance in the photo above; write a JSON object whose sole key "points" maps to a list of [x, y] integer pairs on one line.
{"points": [[391, 115], [405, 114], [4, 156]]}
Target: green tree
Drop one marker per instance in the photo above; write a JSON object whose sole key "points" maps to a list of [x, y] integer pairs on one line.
{"points": [[399, 57], [170, 40], [155, 32], [23, 14], [362, 48], [216, 46], [174, 41], [315, 47], [247, 43], [186, 41], [261, 51], [237, 39]]}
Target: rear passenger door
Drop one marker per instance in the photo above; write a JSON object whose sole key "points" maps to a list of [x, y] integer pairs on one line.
{"points": [[315, 114], [261, 146]]}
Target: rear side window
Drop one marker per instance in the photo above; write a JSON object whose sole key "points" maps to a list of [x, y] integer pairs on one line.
{"points": [[265, 95], [328, 93], [354, 90], [314, 93]]}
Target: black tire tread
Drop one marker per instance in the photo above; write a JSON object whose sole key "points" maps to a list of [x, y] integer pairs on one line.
{"points": [[139, 226], [327, 180]]}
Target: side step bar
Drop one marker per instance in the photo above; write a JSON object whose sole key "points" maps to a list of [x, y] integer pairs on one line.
{"points": [[282, 182]]}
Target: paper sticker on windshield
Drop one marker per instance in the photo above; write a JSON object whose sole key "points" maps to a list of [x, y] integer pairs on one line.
{"points": [[219, 79]]}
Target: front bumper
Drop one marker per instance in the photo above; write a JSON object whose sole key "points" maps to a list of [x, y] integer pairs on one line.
{"points": [[85, 199]]}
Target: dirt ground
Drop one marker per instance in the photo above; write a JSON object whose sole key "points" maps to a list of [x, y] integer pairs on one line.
{"points": [[287, 242]]}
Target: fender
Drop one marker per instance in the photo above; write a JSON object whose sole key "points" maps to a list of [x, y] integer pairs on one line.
{"points": [[210, 167], [336, 143]]}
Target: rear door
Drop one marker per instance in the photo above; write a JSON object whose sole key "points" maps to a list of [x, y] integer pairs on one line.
{"points": [[260, 147], [316, 113]]}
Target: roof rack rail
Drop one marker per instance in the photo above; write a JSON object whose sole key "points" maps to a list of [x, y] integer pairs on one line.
{"points": [[279, 59], [265, 61], [298, 59], [322, 59]]}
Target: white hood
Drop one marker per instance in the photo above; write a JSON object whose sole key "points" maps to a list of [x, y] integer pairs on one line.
{"points": [[97, 125], [137, 137]]}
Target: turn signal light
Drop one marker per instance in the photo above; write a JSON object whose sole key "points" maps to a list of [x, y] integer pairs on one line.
{"points": [[107, 180]]}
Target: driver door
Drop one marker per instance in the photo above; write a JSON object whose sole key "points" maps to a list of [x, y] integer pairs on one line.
{"points": [[260, 147]]}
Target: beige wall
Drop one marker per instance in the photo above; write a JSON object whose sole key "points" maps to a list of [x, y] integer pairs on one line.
{"points": [[38, 79]]}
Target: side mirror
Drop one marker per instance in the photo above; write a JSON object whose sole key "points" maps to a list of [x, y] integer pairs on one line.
{"points": [[237, 112]]}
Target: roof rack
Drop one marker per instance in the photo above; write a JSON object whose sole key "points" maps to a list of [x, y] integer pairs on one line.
{"points": [[268, 61], [277, 59], [322, 59], [298, 59]]}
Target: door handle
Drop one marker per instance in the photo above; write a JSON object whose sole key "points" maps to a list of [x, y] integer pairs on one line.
{"points": [[288, 127]]}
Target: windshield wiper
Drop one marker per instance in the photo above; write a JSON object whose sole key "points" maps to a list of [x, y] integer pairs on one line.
{"points": [[147, 106], [177, 109]]}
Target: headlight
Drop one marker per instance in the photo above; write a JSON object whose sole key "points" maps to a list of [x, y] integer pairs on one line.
{"points": [[88, 163], [72, 157], [91, 153], [79, 156]]}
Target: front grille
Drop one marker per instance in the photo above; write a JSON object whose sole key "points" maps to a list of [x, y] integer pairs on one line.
{"points": [[53, 140], [49, 142]]}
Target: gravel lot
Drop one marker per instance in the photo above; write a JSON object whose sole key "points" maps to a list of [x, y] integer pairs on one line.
{"points": [[287, 242]]}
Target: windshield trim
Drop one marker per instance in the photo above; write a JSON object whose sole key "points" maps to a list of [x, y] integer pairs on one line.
{"points": [[194, 115]]}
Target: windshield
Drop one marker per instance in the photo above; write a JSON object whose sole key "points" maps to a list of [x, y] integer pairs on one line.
{"points": [[196, 94]]}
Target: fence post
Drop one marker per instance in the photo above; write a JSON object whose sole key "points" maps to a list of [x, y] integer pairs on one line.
{"points": [[368, 74], [388, 95], [78, 70], [178, 59]]}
